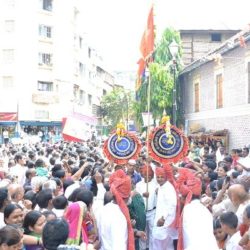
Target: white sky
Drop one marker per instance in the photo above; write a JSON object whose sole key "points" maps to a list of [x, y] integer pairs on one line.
{"points": [[116, 26]]}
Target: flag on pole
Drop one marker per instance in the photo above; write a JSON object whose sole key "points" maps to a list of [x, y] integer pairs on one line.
{"points": [[147, 41], [146, 48]]}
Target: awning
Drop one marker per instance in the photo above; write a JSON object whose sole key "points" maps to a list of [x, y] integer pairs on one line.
{"points": [[7, 123], [40, 123], [8, 116]]}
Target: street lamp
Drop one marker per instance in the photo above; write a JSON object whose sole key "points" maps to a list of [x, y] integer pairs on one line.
{"points": [[173, 48]]}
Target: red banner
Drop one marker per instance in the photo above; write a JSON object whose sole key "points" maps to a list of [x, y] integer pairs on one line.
{"points": [[8, 116]]}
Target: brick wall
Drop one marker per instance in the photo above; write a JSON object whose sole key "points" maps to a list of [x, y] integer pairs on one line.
{"points": [[235, 114]]}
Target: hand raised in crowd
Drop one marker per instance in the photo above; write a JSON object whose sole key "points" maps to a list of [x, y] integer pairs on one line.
{"points": [[98, 177], [146, 194]]}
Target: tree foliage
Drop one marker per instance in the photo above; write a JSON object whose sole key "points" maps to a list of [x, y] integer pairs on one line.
{"points": [[161, 77], [116, 107]]}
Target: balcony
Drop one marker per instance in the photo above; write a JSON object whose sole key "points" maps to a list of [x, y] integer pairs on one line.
{"points": [[45, 97]]}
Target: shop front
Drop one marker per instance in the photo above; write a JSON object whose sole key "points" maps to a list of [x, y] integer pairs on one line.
{"points": [[8, 122], [47, 131]]}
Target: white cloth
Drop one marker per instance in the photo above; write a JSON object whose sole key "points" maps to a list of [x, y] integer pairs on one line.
{"points": [[112, 226], [99, 199], [141, 188], [2, 224], [232, 243], [198, 227], [246, 163], [165, 207], [19, 172], [241, 210], [58, 212]]}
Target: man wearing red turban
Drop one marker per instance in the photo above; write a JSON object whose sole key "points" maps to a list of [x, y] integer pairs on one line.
{"points": [[149, 200], [115, 229], [196, 222], [163, 231]]}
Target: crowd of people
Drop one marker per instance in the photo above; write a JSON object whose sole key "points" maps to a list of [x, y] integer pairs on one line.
{"points": [[67, 195]]}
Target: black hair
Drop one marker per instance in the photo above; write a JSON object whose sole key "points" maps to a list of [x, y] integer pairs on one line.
{"points": [[85, 196], [52, 161], [30, 220], [228, 159], [67, 183], [3, 196], [235, 174], [10, 236], [59, 173], [56, 168], [18, 157], [30, 164], [60, 202], [216, 223], [73, 195], [43, 198], [57, 181], [31, 196], [28, 172], [55, 233], [247, 210], [198, 160], [48, 213], [220, 183], [246, 149], [210, 164], [39, 163], [108, 197], [212, 176], [230, 219], [10, 208], [213, 185]]}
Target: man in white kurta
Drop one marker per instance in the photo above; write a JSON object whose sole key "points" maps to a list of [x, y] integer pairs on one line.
{"points": [[112, 227], [163, 232], [198, 227], [150, 203]]}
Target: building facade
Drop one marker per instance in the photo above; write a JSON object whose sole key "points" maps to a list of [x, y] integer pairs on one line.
{"points": [[47, 68], [216, 90], [196, 43]]}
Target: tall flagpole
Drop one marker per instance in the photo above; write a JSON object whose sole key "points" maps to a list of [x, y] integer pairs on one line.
{"points": [[148, 130]]}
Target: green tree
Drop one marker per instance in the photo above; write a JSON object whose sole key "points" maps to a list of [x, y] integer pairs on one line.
{"points": [[117, 106], [162, 79]]}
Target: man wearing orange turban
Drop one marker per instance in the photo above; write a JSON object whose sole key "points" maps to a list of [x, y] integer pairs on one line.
{"points": [[196, 222], [163, 231], [149, 200], [115, 229]]}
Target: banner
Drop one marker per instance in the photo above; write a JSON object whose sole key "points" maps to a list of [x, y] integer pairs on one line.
{"points": [[8, 116], [145, 119]]}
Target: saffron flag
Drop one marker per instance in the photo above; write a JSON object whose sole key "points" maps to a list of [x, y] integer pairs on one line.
{"points": [[141, 68], [147, 41]]}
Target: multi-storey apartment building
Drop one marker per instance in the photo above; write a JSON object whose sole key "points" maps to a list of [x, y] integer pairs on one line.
{"points": [[47, 68]]}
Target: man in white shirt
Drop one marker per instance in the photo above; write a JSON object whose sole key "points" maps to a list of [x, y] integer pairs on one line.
{"points": [[196, 222], [150, 202], [19, 170], [163, 232], [229, 224], [114, 225]]}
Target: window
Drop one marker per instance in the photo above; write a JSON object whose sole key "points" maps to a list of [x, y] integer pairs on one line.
{"points": [[7, 82], [9, 25], [81, 68], [45, 59], [197, 97], [89, 99], [44, 31], [41, 114], [82, 97], [248, 70], [216, 37], [8, 56], [45, 86], [47, 5], [80, 42], [219, 91]]}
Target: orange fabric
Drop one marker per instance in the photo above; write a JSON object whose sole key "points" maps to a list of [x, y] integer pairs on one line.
{"points": [[120, 186], [141, 66], [160, 172], [147, 41]]}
